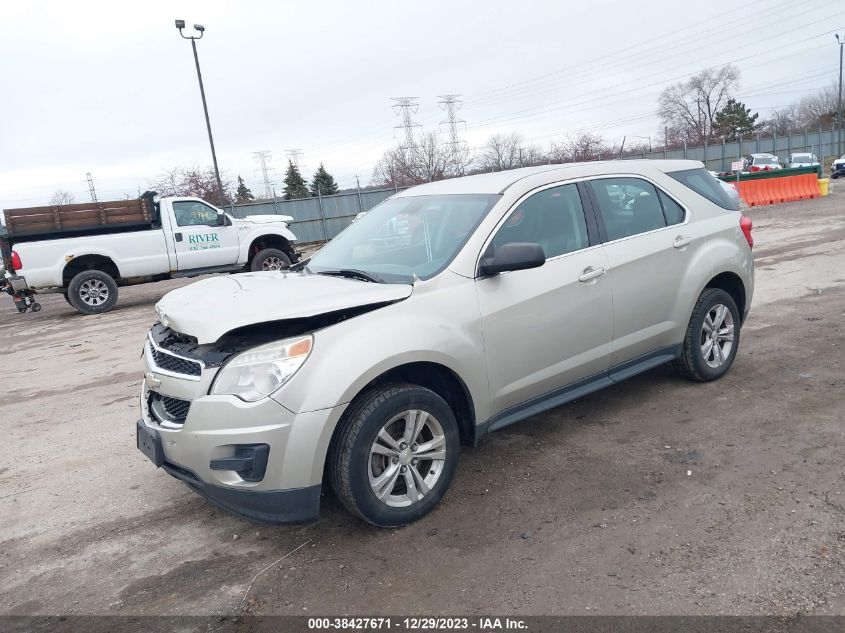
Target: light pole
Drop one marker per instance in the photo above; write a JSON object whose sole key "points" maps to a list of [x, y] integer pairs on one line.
{"points": [[841, 42], [180, 24]]}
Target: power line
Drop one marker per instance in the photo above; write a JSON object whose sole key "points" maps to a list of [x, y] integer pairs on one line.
{"points": [[405, 107]]}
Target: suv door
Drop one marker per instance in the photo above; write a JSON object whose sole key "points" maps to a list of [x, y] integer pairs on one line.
{"points": [[200, 240], [649, 247], [546, 327]]}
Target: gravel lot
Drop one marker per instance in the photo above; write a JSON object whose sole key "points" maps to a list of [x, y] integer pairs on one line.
{"points": [[656, 496]]}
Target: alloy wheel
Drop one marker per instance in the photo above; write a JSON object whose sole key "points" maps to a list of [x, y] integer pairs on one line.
{"points": [[407, 458]]}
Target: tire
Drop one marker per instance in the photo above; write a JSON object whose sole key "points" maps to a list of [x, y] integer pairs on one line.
{"points": [[64, 294], [702, 359], [270, 259], [92, 292], [355, 470]]}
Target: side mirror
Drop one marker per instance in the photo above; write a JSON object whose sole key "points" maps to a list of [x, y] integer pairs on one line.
{"points": [[512, 256], [222, 219]]}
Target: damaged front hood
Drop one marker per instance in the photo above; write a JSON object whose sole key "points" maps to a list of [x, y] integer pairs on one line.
{"points": [[210, 308]]}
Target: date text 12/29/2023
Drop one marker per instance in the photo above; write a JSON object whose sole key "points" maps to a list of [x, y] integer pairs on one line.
{"points": [[420, 623]]}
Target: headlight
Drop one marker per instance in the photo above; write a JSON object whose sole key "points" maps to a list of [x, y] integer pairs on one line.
{"points": [[258, 372]]}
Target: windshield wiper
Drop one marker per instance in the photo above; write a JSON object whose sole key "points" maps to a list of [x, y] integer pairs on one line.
{"points": [[353, 273]]}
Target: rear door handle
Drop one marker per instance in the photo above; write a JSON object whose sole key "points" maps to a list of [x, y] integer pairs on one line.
{"points": [[681, 241], [590, 273]]}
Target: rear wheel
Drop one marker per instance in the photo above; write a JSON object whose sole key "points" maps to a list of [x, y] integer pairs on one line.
{"points": [[712, 337], [270, 259], [395, 454], [92, 292]]}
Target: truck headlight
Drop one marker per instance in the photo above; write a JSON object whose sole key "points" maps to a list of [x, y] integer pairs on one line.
{"points": [[258, 372]]}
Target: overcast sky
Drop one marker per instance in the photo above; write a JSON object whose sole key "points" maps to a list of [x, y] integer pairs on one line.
{"points": [[110, 87]]}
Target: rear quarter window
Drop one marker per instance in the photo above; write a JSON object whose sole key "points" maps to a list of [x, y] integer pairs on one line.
{"points": [[704, 184]]}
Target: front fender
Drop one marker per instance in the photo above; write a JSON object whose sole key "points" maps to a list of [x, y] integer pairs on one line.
{"points": [[437, 325], [249, 235]]}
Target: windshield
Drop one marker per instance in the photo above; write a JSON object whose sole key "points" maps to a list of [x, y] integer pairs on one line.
{"points": [[404, 238], [765, 160], [802, 158]]}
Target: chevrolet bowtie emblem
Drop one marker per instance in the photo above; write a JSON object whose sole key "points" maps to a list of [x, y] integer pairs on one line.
{"points": [[153, 381]]}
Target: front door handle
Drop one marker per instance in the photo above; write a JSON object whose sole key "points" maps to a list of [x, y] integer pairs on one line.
{"points": [[590, 273], [682, 242], [178, 237]]}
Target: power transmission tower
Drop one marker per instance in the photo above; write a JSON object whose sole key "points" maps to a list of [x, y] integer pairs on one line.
{"points": [[263, 159], [294, 156], [405, 107], [91, 189], [450, 104]]}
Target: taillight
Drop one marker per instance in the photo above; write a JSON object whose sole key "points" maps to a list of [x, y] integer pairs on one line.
{"points": [[746, 225], [16, 261]]}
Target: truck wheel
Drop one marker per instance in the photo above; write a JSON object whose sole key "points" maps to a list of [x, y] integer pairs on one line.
{"points": [[712, 337], [92, 292], [270, 259], [394, 455]]}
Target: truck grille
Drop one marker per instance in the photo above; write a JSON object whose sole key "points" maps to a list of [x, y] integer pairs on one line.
{"points": [[174, 364]]}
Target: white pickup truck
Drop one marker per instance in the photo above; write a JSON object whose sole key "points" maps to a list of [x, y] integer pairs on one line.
{"points": [[85, 251]]}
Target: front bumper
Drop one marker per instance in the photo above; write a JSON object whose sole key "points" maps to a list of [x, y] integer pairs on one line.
{"points": [[217, 428]]}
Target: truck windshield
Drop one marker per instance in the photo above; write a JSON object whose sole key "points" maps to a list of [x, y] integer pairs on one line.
{"points": [[404, 238]]}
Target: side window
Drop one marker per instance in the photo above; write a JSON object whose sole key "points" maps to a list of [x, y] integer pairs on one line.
{"points": [[674, 212], [628, 206], [552, 218], [191, 213], [705, 184]]}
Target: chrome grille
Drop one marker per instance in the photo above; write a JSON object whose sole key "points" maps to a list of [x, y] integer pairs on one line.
{"points": [[168, 362]]}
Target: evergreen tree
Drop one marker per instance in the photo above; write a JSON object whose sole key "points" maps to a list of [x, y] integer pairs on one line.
{"points": [[323, 182], [295, 185], [732, 119], [243, 193]]}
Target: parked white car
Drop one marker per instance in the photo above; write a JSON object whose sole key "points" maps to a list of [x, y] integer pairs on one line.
{"points": [[837, 169], [761, 162], [803, 160], [500, 296]]}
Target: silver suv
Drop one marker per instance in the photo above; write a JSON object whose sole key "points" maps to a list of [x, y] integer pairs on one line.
{"points": [[451, 310]]}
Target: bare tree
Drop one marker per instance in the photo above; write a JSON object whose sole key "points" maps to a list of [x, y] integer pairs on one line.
{"points": [[426, 161], [500, 152], [819, 108], [585, 145], [193, 181], [781, 121], [61, 197], [689, 108]]}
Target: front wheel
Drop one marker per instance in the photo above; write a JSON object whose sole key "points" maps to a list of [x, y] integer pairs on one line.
{"points": [[395, 454], [712, 337], [92, 292], [270, 259]]}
